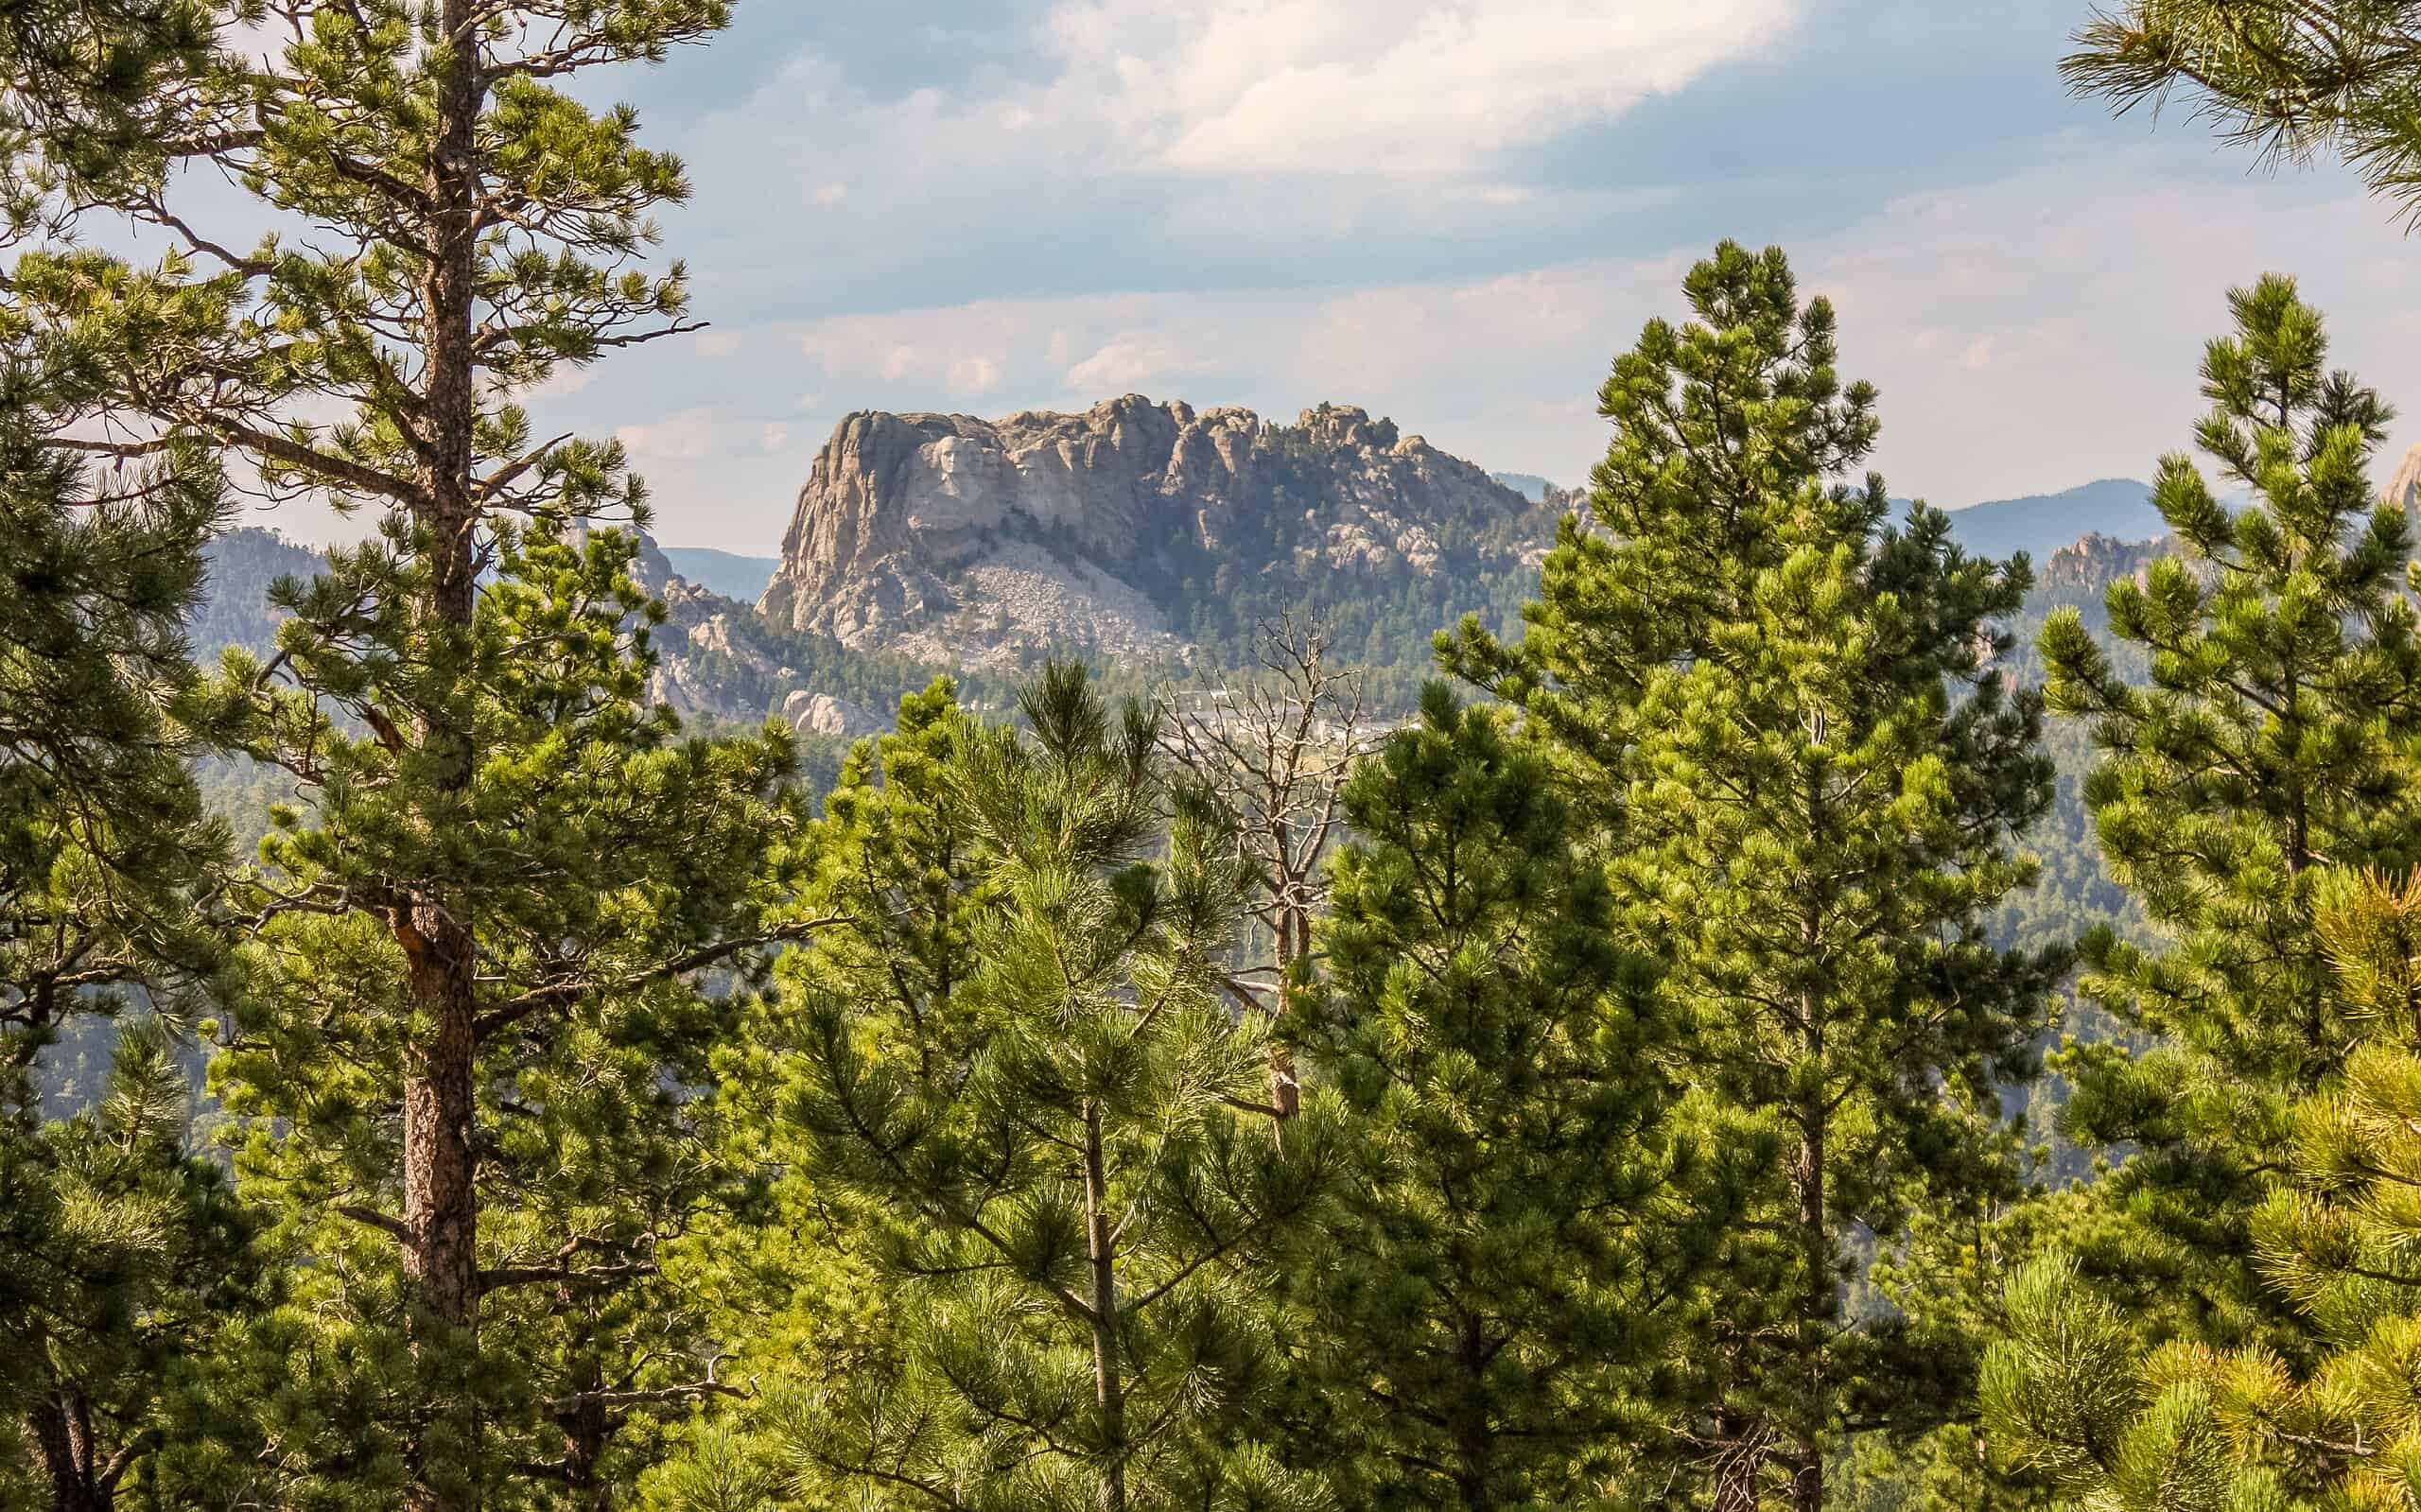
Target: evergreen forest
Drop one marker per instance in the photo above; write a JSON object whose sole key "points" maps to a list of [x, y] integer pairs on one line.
{"points": [[1773, 1012]]}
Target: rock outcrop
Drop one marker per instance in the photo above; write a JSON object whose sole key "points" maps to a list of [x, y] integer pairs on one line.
{"points": [[975, 543], [823, 714], [2088, 568], [2405, 487]]}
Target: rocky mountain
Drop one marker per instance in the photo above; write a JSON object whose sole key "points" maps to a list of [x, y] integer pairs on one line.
{"points": [[1143, 532], [2405, 487]]}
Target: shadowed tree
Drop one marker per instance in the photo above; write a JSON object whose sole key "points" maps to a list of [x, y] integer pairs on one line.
{"points": [[1513, 1247]]}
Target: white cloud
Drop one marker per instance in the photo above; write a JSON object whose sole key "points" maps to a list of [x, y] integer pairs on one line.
{"points": [[776, 436], [2026, 335], [1338, 90], [974, 375], [683, 436], [1129, 361], [1392, 86]]}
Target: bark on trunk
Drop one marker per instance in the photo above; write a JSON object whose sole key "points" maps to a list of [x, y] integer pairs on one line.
{"points": [[1815, 1307], [589, 1425], [1109, 1384], [1813, 1115], [440, 1209], [1474, 1435], [1285, 1087], [63, 1428]]}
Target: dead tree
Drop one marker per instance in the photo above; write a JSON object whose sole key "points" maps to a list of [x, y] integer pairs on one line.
{"points": [[1275, 752]]}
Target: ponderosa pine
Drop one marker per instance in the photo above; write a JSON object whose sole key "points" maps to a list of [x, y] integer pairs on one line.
{"points": [[2273, 740], [619, 862], [1046, 1137], [1486, 1307], [1811, 782], [118, 1249], [465, 226]]}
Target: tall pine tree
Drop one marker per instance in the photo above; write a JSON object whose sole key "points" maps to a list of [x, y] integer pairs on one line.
{"points": [[463, 226], [2273, 739], [117, 1247], [1813, 780], [1039, 1128], [624, 864], [1509, 1253]]}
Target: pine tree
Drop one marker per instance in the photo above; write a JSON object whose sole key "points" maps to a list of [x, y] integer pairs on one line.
{"points": [[2290, 78], [103, 845], [807, 1310], [620, 866], [2193, 1429], [1508, 1252], [116, 1248], [125, 1252], [1788, 717], [467, 226], [1039, 1133], [2273, 740]]}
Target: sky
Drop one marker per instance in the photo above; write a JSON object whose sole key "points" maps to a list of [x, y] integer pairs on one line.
{"points": [[1450, 211]]}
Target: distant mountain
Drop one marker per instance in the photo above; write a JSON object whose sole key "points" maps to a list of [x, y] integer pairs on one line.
{"points": [[1148, 535], [725, 572], [234, 609], [2118, 507], [715, 654], [1529, 485]]}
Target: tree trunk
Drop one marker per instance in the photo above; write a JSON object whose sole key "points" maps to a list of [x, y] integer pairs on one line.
{"points": [[63, 1428], [1474, 1435], [1109, 1385], [440, 1207], [589, 1425], [1294, 944], [1813, 1115], [1816, 1308]]}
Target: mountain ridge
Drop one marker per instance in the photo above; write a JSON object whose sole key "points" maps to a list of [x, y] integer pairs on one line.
{"points": [[1139, 531]]}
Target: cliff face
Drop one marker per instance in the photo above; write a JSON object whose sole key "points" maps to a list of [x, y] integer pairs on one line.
{"points": [[977, 542]]}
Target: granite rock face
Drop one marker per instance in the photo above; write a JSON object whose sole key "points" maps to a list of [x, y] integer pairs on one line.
{"points": [[823, 714], [975, 541], [2405, 487]]}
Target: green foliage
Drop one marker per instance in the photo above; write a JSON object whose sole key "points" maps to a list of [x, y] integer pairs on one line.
{"points": [[2189, 1428], [1785, 716], [115, 1248], [2275, 737], [121, 1256], [1037, 1130], [103, 845], [1503, 1272], [2291, 78], [605, 863]]}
